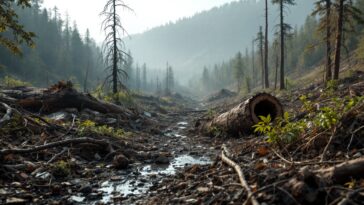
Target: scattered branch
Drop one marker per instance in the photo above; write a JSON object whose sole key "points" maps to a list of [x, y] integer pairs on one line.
{"points": [[242, 179], [54, 144], [328, 144]]}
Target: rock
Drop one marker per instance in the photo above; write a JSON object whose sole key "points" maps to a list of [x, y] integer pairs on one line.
{"points": [[191, 201], [110, 121], [94, 196], [24, 175], [148, 114], [16, 184], [98, 171], [162, 160], [357, 155], [86, 189], [14, 200], [203, 189], [77, 199], [97, 156], [120, 162], [58, 116], [115, 178]]}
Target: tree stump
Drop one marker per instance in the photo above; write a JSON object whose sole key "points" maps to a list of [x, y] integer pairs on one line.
{"points": [[239, 120]]}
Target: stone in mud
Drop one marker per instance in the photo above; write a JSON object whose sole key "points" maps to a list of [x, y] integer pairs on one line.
{"points": [[120, 162], [15, 200], [86, 189], [162, 160]]}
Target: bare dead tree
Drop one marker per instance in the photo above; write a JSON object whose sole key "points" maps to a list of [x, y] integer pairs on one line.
{"points": [[113, 46]]}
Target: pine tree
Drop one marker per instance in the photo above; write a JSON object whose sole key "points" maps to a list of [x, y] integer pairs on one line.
{"points": [[88, 56], [144, 83], [9, 21], [137, 78], [323, 8], [283, 29], [129, 69], [260, 44], [276, 61], [238, 70], [347, 13], [169, 80], [206, 79], [266, 70], [253, 64]]}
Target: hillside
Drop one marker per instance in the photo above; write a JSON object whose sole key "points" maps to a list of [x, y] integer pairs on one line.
{"points": [[208, 37]]}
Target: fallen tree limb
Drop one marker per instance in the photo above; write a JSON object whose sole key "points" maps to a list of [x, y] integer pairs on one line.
{"points": [[307, 183], [54, 144], [343, 172], [242, 179], [55, 157], [239, 120]]}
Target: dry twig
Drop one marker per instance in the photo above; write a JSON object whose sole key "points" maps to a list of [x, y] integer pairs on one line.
{"points": [[328, 144], [242, 179]]}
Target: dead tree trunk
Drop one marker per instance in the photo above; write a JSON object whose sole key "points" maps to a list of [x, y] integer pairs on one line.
{"points": [[239, 120], [58, 97]]}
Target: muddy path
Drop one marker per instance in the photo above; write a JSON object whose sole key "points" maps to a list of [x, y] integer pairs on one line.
{"points": [[119, 158], [176, 147]]}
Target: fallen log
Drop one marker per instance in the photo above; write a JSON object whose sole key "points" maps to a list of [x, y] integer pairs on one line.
{"points": [[239, 120], [307, 185], [343, 172], [58, 97]]}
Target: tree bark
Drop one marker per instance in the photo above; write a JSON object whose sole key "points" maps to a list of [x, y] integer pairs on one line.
{"points": [[338, 40], [239, 120]]}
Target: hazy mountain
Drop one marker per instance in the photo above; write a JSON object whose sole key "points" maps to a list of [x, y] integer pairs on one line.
{"points": [[209, 37]]}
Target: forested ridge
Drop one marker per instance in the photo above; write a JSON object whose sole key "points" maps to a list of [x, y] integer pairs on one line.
{"points": [[208, 37], [60, 52], [306, 51]]}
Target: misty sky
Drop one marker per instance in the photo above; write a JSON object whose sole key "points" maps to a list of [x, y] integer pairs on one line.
{"points": [[148, 13]]}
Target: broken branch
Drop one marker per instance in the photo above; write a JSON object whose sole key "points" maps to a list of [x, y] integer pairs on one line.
{"points": [[242, 179], [54, 144]]}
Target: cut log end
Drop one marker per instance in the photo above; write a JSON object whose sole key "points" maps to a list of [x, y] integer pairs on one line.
{"points": [[239, 120], [263, 105]]}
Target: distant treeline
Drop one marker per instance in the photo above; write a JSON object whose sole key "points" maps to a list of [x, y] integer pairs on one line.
{"points": [[61, 52], [305, 50]]}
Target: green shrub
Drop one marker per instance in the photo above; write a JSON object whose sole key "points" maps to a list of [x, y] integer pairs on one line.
{"points": [[10, 81], [326, 117], [89, 126], [61, 169]]}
